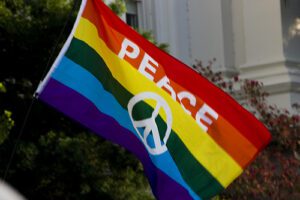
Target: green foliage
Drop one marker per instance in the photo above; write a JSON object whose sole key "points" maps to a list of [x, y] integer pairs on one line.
{"points": [[149, 36], [118, 7], [2, 88], [275, 172], [55, 158], [6, 121], [79, 167], [6, 124], [28, 30]]}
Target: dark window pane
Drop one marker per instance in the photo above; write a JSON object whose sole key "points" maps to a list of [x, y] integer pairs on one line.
{"points": [[132, 20]]}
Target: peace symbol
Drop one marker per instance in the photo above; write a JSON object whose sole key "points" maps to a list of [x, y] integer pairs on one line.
{"points": [[147, 128]]}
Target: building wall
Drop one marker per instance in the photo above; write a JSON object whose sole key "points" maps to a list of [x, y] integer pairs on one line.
{"points": [[206, 31], [168, 20]]}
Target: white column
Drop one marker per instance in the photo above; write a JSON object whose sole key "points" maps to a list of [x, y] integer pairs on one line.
{"points": [[263, 31], [172, 27], [263, 56], [211, 34]]}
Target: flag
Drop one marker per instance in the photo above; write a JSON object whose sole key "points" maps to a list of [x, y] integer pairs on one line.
{"points": [[192, 138]]}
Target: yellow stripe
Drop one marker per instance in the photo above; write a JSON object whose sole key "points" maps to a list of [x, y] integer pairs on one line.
{"points": [[200, 144]]}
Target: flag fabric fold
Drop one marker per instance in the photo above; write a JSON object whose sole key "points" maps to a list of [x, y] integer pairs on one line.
{"points": [[192, 138]]}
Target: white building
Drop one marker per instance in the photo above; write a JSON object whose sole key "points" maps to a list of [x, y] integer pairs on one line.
{"points": [[259, 39]]}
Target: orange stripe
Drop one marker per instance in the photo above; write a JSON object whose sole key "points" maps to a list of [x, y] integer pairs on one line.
{"points": [[233, 142], [224, 134]]}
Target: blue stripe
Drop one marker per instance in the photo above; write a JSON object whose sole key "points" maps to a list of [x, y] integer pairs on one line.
{"points": [[80, 80]]}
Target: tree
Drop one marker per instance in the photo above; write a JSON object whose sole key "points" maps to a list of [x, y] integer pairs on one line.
{"points": [[6, 122], [275, 172], [55, 158], [118, 7]]}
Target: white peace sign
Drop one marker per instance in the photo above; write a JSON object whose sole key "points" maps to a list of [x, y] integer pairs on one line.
{"points": [[149, 124]]}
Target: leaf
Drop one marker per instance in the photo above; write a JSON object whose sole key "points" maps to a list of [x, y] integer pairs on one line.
{"points": [[2, 88]]}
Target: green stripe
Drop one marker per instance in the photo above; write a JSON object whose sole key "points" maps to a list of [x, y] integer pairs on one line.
{"points": [[195, 175]]}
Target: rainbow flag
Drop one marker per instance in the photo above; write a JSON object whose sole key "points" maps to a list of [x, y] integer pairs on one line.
{"points": [[192, 139]]}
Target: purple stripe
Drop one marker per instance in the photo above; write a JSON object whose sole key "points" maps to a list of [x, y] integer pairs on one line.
{"points": [[83, 111]]}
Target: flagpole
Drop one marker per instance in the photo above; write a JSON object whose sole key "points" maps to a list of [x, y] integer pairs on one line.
{"points": [[61, 53]]}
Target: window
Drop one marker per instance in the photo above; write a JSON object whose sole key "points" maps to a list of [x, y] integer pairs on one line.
{"points": [[132, 20], [132, 13], [290, 16]]}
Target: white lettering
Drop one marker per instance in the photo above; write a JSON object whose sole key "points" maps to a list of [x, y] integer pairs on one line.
{"points": [[186, 95], [165, 82], [150, 64], [201, 115], [129, 49]]}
